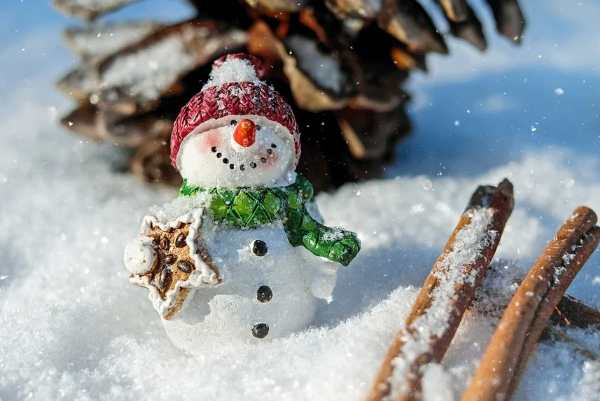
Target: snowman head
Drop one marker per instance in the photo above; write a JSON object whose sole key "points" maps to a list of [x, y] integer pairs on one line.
{"points": [[237, 132]]}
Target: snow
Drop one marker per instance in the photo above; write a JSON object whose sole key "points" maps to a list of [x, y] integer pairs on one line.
{"points": [[102, 40], [324, 68], [94, 5], [496, 290], [236, 70], [73, 327], [149, 74], [91, 335]]}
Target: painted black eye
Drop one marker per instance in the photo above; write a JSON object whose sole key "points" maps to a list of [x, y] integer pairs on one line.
{"points": [[258, 127], [253, 165], [269, 151], [231, 166], [242, 167], [233, 122], [263, 160], [219, 155], [273, 146], [214, 149], [225, 160]]}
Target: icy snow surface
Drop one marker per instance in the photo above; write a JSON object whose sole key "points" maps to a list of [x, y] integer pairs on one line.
{"points": [[73, 327]]}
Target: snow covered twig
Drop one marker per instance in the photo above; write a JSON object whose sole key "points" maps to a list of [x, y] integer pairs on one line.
{"points": [[531, 307], [446, 294]]}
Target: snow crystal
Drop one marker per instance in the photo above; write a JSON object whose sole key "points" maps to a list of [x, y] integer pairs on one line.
{"points": [[500, 283], [566, 367], [437, 384], [590, 382], [236, 70], [102, 40], [323, 67], [178, 207], [334, 235], [149, 73], [95, 4]]}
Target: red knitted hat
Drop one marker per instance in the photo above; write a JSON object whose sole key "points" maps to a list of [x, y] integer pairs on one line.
{"points": [[234, 89]]}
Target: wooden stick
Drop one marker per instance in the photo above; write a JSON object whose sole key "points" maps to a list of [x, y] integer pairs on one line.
{"points": [[450, 285], [563, 279], [531, 307]]}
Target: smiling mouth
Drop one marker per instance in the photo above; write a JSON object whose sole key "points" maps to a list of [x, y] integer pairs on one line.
{"points": [[242, 167]]}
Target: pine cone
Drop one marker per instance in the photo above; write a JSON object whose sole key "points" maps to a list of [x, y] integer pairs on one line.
{"points": [[340, 63]]}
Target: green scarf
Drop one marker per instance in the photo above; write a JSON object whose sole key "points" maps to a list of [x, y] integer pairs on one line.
{"points": [[248, 208]]}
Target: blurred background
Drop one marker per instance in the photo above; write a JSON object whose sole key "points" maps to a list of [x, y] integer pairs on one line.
{"points": [[455, 113], [81, 162]]}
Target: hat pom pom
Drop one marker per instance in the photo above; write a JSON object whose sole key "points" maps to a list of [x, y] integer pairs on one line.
{"points": [[239, 67], [247, 58]]}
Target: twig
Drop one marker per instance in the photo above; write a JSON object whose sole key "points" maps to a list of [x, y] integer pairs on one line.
{"points": [[531, 307], [447, 292], [572, 312]]}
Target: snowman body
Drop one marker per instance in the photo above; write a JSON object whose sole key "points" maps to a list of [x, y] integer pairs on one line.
{"points": [[264, 294], [241, 255]]}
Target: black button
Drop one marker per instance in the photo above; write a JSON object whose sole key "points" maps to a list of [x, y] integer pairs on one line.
{"points": [[260, 330], [259, 247], [264, 293]]}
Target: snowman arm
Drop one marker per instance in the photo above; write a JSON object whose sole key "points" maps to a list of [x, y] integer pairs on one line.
{"points": [[323, 279], [337, 245]]}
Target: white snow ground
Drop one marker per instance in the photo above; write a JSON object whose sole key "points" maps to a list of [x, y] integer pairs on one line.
{"points": [[72, 327]]}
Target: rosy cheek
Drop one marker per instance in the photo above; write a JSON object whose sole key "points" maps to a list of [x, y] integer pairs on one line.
{"points": [[211, 139], [272, 160]]}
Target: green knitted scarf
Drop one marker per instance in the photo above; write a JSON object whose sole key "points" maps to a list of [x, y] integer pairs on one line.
{"points": [[248, 208]]}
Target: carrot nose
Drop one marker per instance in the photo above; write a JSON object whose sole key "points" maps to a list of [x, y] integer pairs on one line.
{"points": [[245, 133]]}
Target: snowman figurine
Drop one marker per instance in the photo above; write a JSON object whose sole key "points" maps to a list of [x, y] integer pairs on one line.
{"points": [[241, 253]]}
